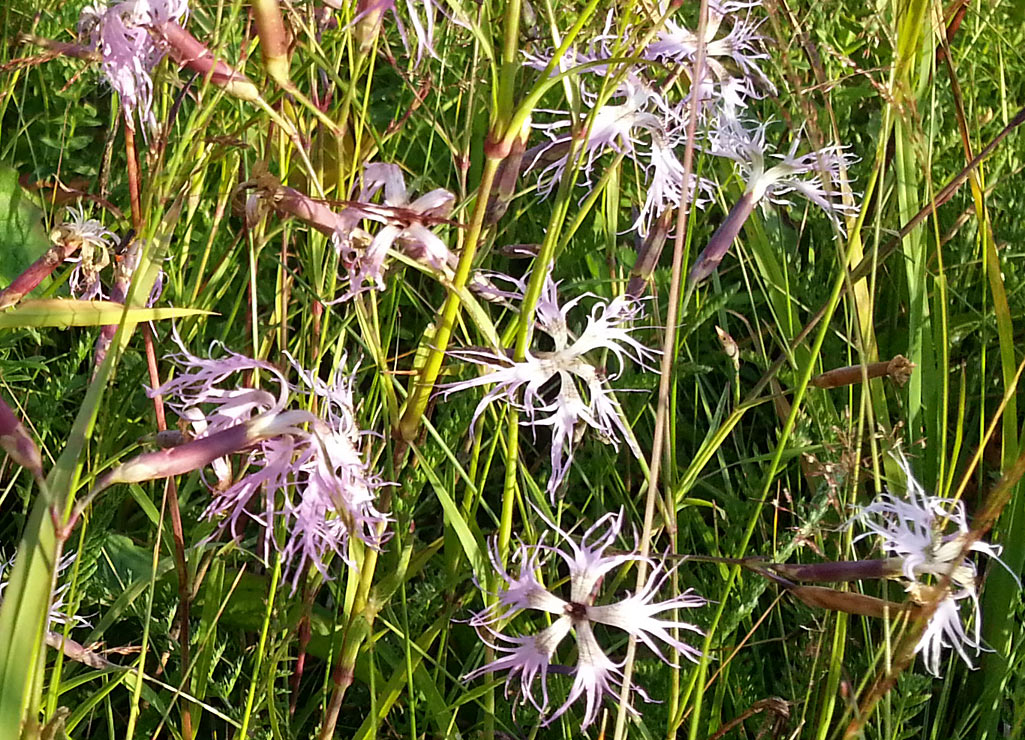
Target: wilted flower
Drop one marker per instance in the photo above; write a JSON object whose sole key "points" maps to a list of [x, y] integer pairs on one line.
{"points": [[120, 33], [58, 614], [93, 253], [595, 674], [307, 468], [805, 175], [606, 329], [915, 529], [405, 224]]}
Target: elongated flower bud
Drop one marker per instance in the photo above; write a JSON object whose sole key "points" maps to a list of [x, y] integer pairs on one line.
{"points": [[722, 239], [17, 442], [291, 202], [648, 253], [270, 26], [189, 52], [899, 369], [849, 602], [201, 452], [507, 177], [855, 570]]}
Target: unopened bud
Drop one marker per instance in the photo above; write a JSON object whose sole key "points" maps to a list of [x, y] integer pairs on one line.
{"points": [[270, 27], [189, 52], [17, 442]]}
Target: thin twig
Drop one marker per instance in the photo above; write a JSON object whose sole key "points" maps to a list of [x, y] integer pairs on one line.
{"points": [[668, 352]]}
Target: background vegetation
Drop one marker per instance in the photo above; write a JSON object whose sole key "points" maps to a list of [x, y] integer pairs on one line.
{"points": [[757, 461]]}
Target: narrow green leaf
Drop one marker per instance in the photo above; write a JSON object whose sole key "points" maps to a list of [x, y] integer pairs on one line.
{"points": [[65, 312]]}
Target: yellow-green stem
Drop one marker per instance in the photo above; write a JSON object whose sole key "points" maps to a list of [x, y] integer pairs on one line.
{"points": [[420, 394]]}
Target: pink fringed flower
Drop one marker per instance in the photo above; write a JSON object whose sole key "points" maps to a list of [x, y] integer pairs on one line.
{"points": [[307, 469], [405, 224], [120, 33], [595, 675]]}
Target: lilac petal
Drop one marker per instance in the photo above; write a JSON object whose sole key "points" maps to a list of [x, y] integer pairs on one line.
{"points": [[596, 676], [525, 657], [636, 616]]}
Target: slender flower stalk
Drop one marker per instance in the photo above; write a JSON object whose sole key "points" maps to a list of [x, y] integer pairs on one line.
{"points": [[595, 675], [607, 328]]}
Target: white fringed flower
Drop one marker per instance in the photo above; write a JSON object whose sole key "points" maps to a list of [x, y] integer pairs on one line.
{"points": [[916, 529], [595, 674], [607, 328]]}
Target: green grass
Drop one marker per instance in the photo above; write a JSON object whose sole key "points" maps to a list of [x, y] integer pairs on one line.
{"points": [[756, 460]]}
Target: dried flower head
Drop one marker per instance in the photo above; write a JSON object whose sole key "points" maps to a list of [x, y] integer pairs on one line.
{"points": [[95, 245]]}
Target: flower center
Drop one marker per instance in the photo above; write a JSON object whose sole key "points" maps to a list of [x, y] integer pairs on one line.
{"points": [[576, 611]]}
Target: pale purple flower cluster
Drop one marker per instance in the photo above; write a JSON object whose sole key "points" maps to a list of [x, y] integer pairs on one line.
{"points": [[739, 50], [914, 528], [595, 675], [308, 469], [120, 32], [608, 327], [643, 126]]}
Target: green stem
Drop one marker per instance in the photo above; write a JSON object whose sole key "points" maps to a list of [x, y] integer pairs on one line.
{"points": [[423, 386]]}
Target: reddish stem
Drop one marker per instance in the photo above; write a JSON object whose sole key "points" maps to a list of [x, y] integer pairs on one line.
{"points": [[38, 271], [177, 532]]}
